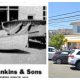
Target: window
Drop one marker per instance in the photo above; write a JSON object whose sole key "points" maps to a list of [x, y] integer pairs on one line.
{"points": [[44, 13], [51, 49], [3, 16], [78, 53], [72, 51], [64, 53], [44, 18], [78, 29], [8, 13], [13, 7], [13, 15], [44, 7], [3, 7], [30, 17]]}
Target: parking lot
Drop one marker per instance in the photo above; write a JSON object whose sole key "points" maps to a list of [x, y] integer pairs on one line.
{"points": [[62, 71]]}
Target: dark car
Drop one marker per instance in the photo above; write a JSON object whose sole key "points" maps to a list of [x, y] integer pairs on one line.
{"points": [[61, 57]]}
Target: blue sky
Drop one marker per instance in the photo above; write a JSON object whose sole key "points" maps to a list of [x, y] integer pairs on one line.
{"points": [[58, 8]]}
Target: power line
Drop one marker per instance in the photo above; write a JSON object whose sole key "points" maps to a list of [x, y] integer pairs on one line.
{"points": [[70, 18], [62, 21], [64, 17], [64, 14], [57, 25]]}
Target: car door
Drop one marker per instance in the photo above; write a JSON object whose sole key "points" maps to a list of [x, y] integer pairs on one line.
{"points": [[64, 57], [77, 55], [51, 52]]}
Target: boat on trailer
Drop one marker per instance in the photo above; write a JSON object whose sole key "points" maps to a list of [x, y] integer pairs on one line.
{"points": [[16, 34]]}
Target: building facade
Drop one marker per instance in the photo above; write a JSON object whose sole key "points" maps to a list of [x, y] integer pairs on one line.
{"points": [[76, 27], [73, 41], [9, 13]]}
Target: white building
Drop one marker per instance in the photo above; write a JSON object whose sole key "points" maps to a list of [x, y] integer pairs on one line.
{"points": [[36, 13], [73, 41], [76, 27]]}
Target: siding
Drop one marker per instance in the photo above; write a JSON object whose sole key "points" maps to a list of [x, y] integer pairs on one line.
{"points": [[35, 11]]}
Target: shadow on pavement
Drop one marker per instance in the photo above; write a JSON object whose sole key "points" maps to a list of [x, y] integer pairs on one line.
{"points": [[36, 45], [74, 68], [13, 51]]}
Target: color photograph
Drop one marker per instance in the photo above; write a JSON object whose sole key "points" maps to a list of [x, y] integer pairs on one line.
{"points": [[64, 39]]}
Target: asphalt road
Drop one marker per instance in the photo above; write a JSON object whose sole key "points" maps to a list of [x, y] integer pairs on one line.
{"points": [[62, 71], [31, 55]]}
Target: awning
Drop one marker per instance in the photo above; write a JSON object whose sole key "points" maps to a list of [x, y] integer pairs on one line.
{"points": [[77, 41], [74, 38]]}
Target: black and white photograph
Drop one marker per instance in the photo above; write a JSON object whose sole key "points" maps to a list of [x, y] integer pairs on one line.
{"points": [[23, 34]]}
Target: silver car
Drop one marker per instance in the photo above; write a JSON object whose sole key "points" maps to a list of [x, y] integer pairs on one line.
{"points": [[51, 52]]}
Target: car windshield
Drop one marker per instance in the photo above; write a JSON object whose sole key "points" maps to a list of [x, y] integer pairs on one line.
{"points": [[51, 49], [64, 52], [71, 51], [58, 53]]}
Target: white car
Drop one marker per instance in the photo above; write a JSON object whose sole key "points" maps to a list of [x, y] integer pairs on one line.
{"points": [[74, 58], [51, 52]]}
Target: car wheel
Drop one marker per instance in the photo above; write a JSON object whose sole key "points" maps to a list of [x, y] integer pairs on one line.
{"points": [[58, 61], [78, 65]]}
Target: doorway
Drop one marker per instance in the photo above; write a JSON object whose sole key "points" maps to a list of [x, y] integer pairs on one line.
{"points": [[3, 16]]}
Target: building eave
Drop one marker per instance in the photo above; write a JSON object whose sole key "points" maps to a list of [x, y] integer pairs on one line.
{"points": [[75, 23]]}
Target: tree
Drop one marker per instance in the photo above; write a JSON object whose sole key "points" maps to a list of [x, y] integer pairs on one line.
{"points": [[57, 41]]}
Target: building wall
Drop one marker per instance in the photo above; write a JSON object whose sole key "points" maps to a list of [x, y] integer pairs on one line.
{"points": [[35, 11], [76, 27], [73, 41]]}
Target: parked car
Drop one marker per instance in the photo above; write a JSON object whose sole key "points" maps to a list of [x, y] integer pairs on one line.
{"points": [[51, 52], [74, 58], [61, 57]]}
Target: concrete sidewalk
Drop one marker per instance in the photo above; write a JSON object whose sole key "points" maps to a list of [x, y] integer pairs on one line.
{"points": [[29, 56]]}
